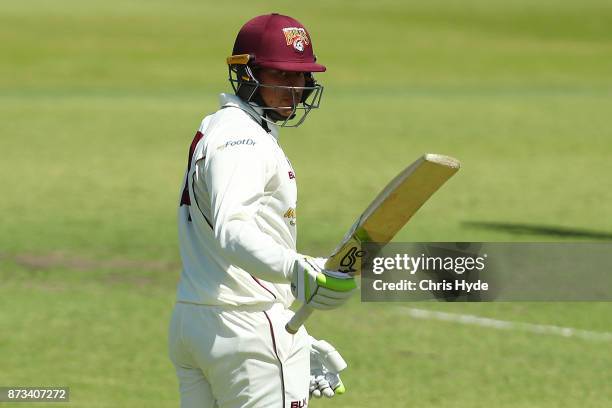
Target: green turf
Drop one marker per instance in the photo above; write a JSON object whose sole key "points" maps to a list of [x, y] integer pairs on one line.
{"points": [[99, 102]]}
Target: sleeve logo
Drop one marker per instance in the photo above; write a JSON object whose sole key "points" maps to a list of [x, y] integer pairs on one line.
{"points": [[290, 215]]}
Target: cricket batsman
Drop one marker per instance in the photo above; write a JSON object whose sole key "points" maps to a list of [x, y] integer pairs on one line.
{"points": [[237, 233]]}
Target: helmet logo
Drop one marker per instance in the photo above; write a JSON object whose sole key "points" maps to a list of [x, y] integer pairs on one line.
{"points": [[297, 37]]}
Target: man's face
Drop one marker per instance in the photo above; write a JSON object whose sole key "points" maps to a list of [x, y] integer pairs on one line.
{"points": [[279, 96]]}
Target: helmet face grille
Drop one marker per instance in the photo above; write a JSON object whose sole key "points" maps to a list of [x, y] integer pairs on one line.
{"points": [[246, 86]]}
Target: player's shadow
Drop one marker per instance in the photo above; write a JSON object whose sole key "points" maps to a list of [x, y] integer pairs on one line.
{"points": [[530, 229]]}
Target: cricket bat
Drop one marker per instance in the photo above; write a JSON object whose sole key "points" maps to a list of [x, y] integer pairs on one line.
{"points": [[385, 216]]}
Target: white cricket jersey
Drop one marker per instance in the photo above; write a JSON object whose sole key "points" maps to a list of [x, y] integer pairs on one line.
{"points": [[237, 216]]}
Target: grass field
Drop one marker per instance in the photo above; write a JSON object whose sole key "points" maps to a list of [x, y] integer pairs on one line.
{"points": [[99, 102]]}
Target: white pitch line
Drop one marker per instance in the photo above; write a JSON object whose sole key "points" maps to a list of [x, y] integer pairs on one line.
{"points": [[507, 325]]}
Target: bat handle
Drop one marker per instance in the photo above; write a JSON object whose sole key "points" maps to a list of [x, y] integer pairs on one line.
{"points": [[298, 319]]}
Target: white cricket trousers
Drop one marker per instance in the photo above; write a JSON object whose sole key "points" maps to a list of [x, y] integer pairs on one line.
{"points": [[229, 358]]}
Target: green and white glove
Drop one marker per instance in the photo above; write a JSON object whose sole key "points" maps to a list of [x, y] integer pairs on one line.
{"points": [[318, 288], [325, 367]]}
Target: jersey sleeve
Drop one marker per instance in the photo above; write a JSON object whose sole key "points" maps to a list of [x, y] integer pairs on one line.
{"points": [[236, 172]]}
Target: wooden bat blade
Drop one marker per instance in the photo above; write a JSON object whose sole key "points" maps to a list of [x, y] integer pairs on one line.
{"points": [[385, 216], [393, 208]]}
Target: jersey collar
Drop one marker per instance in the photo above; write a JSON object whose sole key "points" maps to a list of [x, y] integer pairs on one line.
{"points": [[229, 100]]}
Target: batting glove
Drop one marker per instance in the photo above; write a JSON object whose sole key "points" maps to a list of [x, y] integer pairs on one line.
{"points": [[319, 288], [325, 365]]}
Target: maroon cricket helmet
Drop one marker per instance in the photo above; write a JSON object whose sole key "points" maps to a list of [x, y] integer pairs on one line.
{"points": [[278, 42]]}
